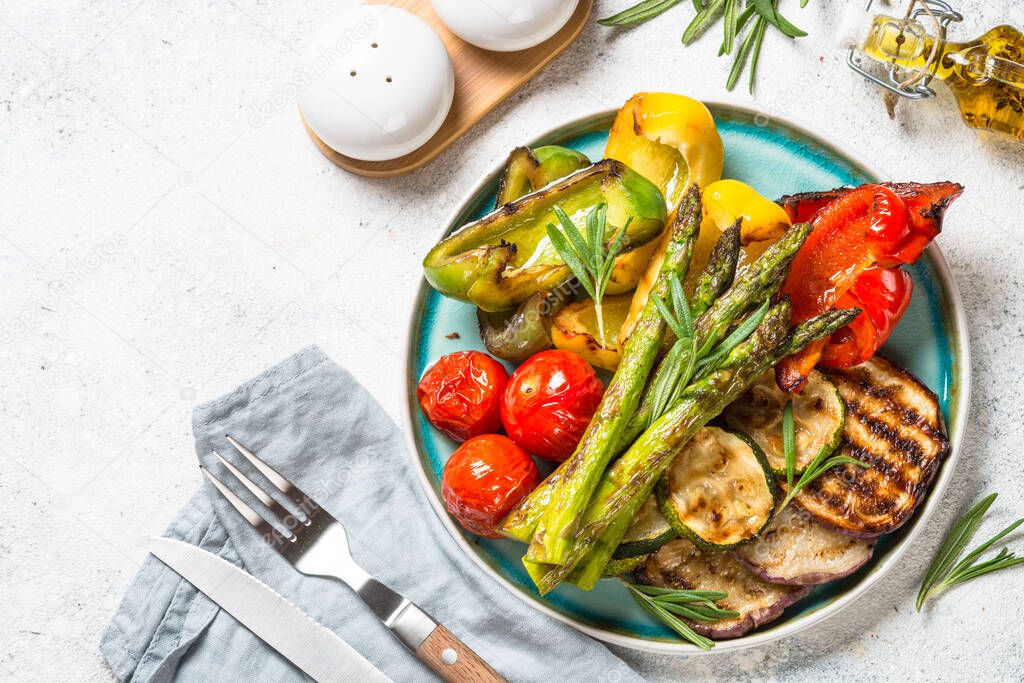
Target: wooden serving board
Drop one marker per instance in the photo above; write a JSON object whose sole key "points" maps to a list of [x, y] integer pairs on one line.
{"points": [[482, 80]]}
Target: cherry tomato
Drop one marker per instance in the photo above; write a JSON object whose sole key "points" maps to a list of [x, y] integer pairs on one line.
{"points": [[484, 479], [549, 401], [461, 394]]}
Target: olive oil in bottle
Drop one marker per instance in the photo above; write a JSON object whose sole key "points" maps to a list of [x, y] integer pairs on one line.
{"points": [[986, 75]]}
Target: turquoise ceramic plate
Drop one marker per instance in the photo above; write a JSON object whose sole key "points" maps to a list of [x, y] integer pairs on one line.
{"points": [[776, 157]]}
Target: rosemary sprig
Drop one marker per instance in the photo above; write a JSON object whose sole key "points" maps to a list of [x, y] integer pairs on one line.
{"points": [[667, 605], [681, 360], [588, 258], [944, 574], [815, 469], [746, 47]]}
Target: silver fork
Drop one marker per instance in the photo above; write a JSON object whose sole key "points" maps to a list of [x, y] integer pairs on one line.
{"points": [[316, 544]]}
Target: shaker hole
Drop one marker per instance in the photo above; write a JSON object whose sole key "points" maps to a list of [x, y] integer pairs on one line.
{"points": [[388, 79], [352, 72], [374, 45]]}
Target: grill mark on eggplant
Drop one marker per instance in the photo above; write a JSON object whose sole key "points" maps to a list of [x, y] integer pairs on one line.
{"points": [[886, 429], [885, 432]]}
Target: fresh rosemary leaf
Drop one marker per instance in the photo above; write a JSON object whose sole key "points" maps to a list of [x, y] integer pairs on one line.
{"points": [[681, 594], [789, 443], [741, 59], [769, 10], [803, 3], [701, 22], [589, 260], [946, 572], [730, 16], [736, 337], [760, 27], [639, 13], [578, 268], [677, 369]]}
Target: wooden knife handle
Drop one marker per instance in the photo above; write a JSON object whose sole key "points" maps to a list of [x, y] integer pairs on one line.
{"points": [[452, 660]]}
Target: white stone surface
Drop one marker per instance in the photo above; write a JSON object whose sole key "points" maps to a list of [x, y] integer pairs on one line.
{"points": [[167, 230]]}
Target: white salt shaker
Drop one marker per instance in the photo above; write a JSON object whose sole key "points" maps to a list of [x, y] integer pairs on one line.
{"points": [[505, 25], [380, 83]]}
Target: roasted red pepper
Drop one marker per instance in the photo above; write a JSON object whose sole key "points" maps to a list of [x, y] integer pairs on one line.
{"points": [[883, 295], [864, 232]]}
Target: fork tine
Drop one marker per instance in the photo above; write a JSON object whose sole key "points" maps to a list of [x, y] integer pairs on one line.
{"points": [[281, 512], [301, 500], [262, 526]]}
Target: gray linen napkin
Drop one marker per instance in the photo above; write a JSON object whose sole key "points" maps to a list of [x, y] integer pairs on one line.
{"points": [[314, 423]]}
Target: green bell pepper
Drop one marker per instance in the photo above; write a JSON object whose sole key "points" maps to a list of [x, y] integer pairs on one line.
{"points": [[531, 169], [500, 260]]}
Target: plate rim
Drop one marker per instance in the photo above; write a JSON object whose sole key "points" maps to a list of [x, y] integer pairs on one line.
{"points": [[962, 374]]}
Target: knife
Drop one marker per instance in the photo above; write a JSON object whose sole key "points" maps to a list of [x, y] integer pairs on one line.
{"points": [[312, 647]]}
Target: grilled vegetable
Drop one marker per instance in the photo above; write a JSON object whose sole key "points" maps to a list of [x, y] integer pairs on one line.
{"points": [[601, 441], [862, 229], [893, 423], [548, 403], [600, 550], [817, 416], [682, 565], [624, 565], [461, 394], [500, 260], [627, 483], [484, 479], [718, 491], [574, 328], [672, 141], [518, 334], [796, 550], [528, 170], [648, 532]]}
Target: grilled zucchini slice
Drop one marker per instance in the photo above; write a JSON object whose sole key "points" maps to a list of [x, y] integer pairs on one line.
{"points": [[797, 550], [894, 424], [818, 416], [648, 532], [719, 491], [618, 567], [682, 565]]}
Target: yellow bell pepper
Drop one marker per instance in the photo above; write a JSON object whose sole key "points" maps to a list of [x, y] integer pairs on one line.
{"points": [[723, 203], [672, 141]]}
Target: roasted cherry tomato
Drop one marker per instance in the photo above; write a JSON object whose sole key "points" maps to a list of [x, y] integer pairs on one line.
{"points": [[484, 479], [549, 401], [461, 394], [883, 295]]}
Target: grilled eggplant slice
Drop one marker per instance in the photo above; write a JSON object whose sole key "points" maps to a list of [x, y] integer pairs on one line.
{"points": [[796, 550], [894, 424], [817, 419], [719, 491], [682, 565], [648, 532]]}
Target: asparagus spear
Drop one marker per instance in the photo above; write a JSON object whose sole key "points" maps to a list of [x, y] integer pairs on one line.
{"points": [[718, 274], [631, 479], [591, 569], [582, 470]]}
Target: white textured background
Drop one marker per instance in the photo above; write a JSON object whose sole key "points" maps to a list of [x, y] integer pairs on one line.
{"points": [[157, 248]]}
